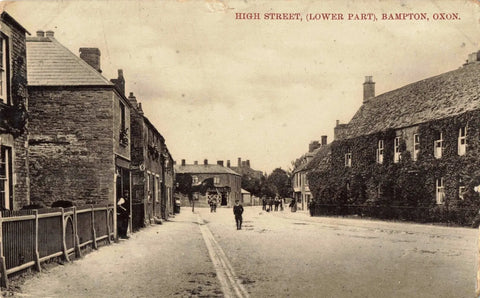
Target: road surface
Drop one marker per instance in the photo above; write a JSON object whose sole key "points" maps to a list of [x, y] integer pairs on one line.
{"points": [[276, 254]]}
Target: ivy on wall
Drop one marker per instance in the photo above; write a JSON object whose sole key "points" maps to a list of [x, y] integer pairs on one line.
{"points": [[407, 183]]}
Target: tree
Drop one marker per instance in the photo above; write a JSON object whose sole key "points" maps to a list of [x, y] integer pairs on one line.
{"points": [[280, 183]]}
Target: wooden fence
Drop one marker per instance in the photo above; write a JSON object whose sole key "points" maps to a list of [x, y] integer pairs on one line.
{"points": [[30, 237]]}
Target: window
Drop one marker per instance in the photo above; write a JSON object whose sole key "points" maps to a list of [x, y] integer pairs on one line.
{"points": [[416, 146], [461, 191], [380, 152], [305, 178], [194, 179], [438, 146], [123, 128], [4, 69], [396, 152], [462, 141], [6, 182], [216, 180], [348, 159], [440, 192]]}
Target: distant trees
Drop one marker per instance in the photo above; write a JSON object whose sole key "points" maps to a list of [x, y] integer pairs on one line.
{"points": [[280, 183]]}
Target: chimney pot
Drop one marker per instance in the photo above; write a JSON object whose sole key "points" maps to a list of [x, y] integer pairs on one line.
{"points": [[40, 33], [49, 33], [183, 162], [248, 163], [195, 162], [337, 123], [205, 161], [368, 89], [239, 162], [220, 163], [228, 163]]}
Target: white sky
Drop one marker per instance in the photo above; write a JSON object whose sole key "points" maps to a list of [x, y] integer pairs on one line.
{"points": [[220, 88]]}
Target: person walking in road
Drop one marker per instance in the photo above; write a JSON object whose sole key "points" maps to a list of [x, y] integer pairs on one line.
{"points": [[238, 211], [293, 205], [123, 215], [276, 202], [270, 203], [264, 204]]}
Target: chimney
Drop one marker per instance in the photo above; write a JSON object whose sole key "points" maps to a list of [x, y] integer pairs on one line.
{"points": [[228, 163], [92, 57], [205, 162], [368, 89], [174, 162], [119, 82], [239, 162], [324, 140], [183, 162], [248, 163], [337, 123], [220, 163], [195, 162], [313, 145], [40, 33], [139, 108], [132, 98], [49, 33]]}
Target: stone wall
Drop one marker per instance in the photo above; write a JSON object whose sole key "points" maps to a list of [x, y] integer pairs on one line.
{"points": [[71, 144]]}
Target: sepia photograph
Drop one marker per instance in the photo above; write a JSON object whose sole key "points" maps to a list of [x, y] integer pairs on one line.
{"points": [[240, 148]]}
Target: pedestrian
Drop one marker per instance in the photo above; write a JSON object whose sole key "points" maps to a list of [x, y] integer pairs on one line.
{"points": [[276, 202], [213, 204], [281, 204], [293, 205], [238, 211], [270, 203], [123, 214], [264, 203]]}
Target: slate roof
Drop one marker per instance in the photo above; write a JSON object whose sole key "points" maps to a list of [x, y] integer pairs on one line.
{"points": [[49, 63], [448, 94], [204, 169], [319, 159]]}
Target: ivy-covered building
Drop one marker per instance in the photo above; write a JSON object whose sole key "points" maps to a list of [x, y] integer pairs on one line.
{"points": [[416, 146], [14, 186]]}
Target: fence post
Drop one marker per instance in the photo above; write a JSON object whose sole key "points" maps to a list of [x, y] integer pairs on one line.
{"points": [[37, 255], [94, 233], [108, 224], [78, 252], [3, 266], [64, 241]]}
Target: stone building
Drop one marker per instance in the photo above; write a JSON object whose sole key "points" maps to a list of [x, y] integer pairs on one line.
{"points": [[79, 129], [417, 145], [227, 183], [301, 190], [152, 169], [14, 185]]}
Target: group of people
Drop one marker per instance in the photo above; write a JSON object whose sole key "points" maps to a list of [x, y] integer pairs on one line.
{"points": [[268, 204]]}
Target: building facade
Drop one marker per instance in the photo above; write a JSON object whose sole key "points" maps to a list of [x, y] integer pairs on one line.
{"points": [[416, 146], [79, 131], [152, 170], [227, 183], [301, 189], [14, 183]]}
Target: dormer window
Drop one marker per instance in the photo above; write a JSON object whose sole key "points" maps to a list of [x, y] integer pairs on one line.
{"points": [[4, 69], [438, 146], [348, 159], [380, 152], [462, 141], [416, 146], [396, 152]]}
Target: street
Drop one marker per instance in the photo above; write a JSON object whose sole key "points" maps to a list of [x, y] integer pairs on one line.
{"points": [[276, 254]]}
